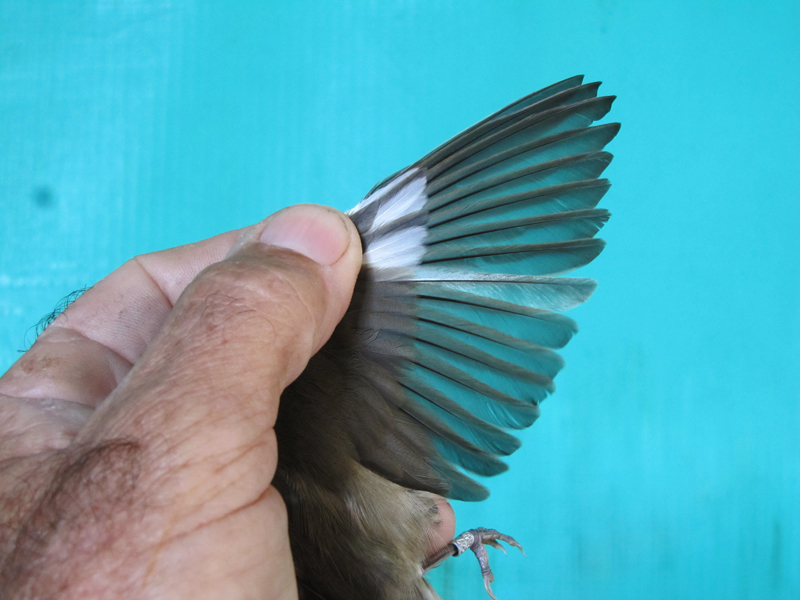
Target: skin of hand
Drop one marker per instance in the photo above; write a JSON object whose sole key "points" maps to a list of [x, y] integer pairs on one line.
{"points": [[136, 435]]}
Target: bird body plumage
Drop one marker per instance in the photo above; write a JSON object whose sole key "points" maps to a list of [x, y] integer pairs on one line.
{"points": [[448, 342]]}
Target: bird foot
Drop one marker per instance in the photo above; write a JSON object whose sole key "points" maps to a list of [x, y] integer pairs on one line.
{"points": [[477, 540]]}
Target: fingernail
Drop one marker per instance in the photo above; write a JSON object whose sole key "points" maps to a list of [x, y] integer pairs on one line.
{"points": [[318, 232]]}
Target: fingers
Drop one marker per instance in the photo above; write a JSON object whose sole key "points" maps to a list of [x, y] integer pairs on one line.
{"points": [[204, 396], [91, 347]]}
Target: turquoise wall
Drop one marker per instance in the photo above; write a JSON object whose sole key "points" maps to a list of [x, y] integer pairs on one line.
{"points": [[667, 465]]}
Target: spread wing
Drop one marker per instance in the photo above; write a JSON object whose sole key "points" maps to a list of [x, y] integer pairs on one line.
{"points": [[453, 319]]}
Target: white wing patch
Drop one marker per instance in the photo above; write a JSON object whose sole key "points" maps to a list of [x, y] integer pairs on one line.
{"points": [[409, 199], [412, 178], [402, 246]]}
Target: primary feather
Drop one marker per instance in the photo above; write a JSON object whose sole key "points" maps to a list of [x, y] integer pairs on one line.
{"points": [[492, 212], [451, 335]]}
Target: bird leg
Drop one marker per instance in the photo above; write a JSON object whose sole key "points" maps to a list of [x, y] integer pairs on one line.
{"points": [[475, 540]]}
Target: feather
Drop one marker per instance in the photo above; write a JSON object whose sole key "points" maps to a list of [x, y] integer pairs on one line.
{"points": [[451, 334], [577, 195]]}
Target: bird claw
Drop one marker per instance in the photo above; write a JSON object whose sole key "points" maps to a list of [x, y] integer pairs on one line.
{"points": [[495, 544], [477, 540]]}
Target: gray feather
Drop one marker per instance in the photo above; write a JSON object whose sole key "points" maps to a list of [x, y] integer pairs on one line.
{"points": [[449, 341]]}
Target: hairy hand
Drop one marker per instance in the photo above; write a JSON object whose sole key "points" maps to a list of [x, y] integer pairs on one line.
{"points": [[136, 440]]}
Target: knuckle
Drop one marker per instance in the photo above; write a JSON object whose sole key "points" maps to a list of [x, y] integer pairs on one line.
{"points": [[30, 426]]}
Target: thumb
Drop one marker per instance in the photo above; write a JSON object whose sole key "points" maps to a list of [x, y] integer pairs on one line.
{"points": [[242, 330]]}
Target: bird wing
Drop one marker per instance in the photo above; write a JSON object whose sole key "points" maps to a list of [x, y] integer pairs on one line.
{"points": [[453, 319]]}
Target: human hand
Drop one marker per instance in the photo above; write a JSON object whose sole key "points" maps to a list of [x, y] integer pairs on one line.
{"points": [[136, 440]]}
